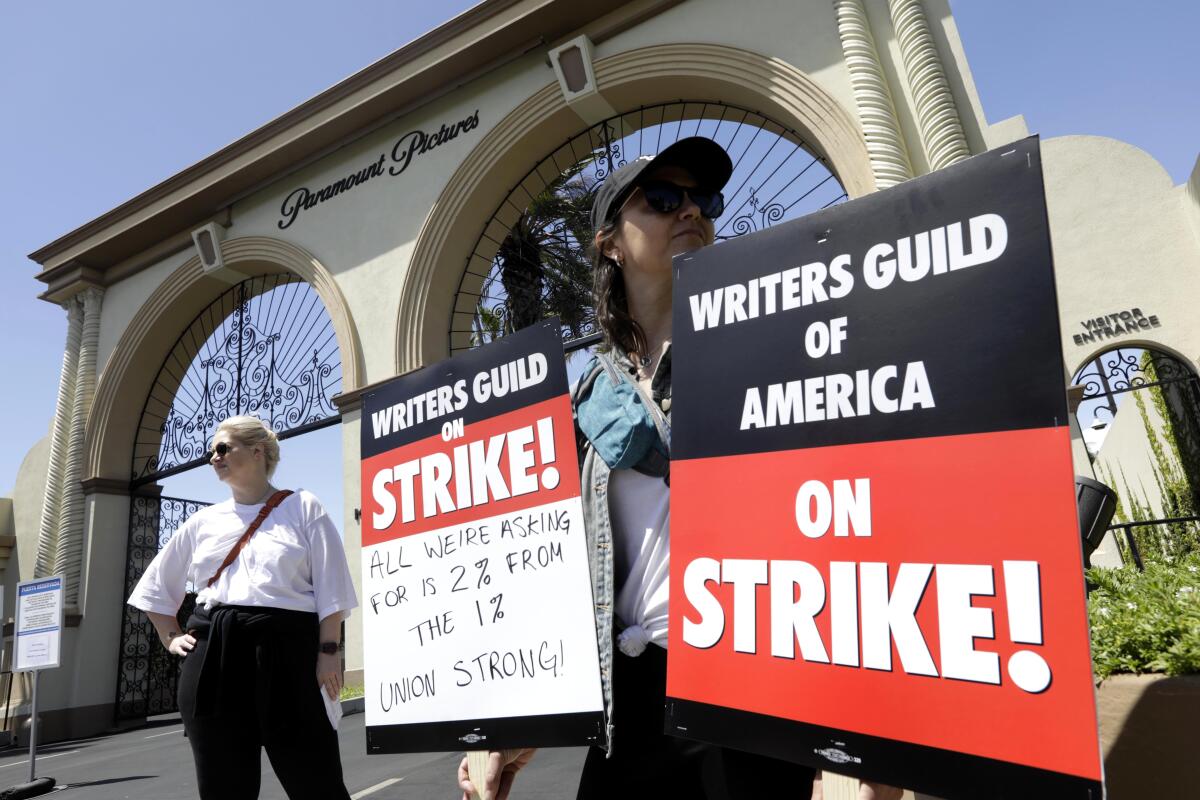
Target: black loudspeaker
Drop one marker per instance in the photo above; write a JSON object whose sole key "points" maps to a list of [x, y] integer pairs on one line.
{"points": [[1096, 503]]}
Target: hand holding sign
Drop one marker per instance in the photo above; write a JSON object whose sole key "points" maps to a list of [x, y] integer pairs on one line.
{"points": [[488, 775]]}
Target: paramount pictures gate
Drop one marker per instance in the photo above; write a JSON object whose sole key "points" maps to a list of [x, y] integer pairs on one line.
{"points": [[266, 347]]}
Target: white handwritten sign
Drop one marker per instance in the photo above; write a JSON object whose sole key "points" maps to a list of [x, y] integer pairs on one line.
{"points": [[479, 629]]}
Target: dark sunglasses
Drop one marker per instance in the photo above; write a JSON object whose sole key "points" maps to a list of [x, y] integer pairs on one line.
{"points": [[665, 198], [220, 450]]}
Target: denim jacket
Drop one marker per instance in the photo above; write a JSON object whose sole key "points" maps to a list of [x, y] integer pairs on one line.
{"points": [[598, 530]]}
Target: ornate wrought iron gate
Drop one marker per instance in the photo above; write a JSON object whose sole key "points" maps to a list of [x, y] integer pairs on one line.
{"points": [[147, 675], [265, 347], [1166, 393]]}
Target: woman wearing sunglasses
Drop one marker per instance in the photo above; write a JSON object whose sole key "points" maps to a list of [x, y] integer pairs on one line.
{"points": [[263, 643], [645, 213]]}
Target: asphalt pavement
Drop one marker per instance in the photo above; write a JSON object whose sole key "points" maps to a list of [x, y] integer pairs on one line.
{"points": [[155, 763]]}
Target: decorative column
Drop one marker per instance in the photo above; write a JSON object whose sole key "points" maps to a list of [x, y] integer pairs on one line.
{"points": [[937, 115], [47, 549], [70, 546], [885, 143]]}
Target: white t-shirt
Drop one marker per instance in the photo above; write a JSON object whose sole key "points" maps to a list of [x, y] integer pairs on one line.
{"points": [[640, 509], [294, 561]]}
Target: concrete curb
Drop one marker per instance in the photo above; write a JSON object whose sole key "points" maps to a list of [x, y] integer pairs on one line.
{"points": [[354, 705]]}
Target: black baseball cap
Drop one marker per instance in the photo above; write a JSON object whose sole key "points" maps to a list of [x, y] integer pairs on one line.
{"points": [[706, 160]]}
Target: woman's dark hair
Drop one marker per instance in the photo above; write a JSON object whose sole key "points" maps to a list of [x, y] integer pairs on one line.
{"points": [[612, 306]]}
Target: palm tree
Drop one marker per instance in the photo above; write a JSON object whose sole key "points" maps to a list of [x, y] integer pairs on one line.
{"points": [[488, 325], [542, 264]]}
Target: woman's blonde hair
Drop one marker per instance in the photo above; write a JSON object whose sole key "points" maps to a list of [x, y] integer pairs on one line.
{"points": [[252, 432]]}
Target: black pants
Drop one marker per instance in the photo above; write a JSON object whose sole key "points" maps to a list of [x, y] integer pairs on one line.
{"points": [[251, 683], [648, 763]]}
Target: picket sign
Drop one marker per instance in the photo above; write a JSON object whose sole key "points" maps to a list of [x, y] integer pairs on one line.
{"points": [[471, 517], [876, 563]]}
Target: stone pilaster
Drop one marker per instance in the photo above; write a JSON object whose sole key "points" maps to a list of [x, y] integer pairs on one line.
{"points": [[877, 113], [70, 548], [937, 115], [60, 433]]}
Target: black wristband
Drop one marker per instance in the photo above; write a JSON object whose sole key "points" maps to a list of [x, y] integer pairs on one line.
{"points": [[330, 648]]}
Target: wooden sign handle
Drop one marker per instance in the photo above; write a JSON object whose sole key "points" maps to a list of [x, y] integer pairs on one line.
{"points": [[477, 761]]}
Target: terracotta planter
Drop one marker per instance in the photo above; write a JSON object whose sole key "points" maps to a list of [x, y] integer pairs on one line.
{"points": [[1148, 734]]}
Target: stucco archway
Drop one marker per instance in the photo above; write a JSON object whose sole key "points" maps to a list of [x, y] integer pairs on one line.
{"points": [[647, 75], [148, 338]]}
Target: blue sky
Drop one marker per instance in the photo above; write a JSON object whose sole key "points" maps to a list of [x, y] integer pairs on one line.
{"points": [[103, 100]]}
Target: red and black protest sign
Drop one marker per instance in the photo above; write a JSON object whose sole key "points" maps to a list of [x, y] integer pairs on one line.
{"points": [[478, 625], [875, 559]]}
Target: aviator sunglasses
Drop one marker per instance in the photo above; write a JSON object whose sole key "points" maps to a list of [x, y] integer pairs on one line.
{"points": [[665, 198]]}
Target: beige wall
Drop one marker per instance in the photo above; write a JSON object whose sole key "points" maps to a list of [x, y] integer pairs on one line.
{"points": [[123, 299], [1122, 239], [1192, 199], [78, 695], [26, 517], [29, 492]]}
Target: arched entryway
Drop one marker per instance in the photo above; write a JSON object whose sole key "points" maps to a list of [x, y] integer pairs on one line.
{"points": [[716, 76], [1140, 418], [278, 343], [265, 347], [530, 261]]}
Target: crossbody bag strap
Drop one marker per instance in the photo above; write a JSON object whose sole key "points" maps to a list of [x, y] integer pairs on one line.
{"points": [[269, 506]]}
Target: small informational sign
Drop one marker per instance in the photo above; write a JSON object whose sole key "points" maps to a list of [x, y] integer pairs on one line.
{"points": [[478, 625], [876, 564], [39, 620]]}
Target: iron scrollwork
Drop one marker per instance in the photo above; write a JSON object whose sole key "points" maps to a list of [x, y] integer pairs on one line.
{"points": [[273, 355], [608, 158], [767, 215], [1124, 370], [147, 675]]}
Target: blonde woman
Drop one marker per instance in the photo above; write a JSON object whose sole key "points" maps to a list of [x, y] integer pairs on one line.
{"points": [[273, 587]]}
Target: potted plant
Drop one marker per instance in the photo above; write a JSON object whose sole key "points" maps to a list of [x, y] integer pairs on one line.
{"points": [[1146, 655]]}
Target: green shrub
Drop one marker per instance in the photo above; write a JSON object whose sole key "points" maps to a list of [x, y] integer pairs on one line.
{"points": [[1146, 621]]}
